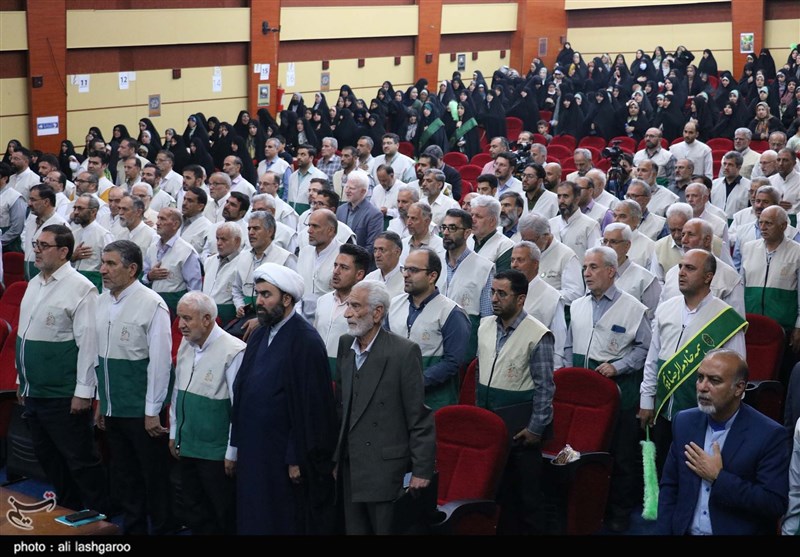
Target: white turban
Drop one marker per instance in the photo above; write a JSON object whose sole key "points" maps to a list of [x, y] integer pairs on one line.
{"points": [[282, 277]]}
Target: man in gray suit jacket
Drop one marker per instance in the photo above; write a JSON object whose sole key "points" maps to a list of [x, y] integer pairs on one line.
{"points": [[364, 218], [386, 428]]}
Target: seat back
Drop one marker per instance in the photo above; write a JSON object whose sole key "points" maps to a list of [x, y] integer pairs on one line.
{"points": [[764, 340], [471, 451], [480, 159], [513, 127], [720, 143], [13, 267], [593, 141], [470, 171], [406, 148], [8, 368], [11, 300], [565, 140], [545, 115], [455, 159], [625, 142], [759, 145], [177, 337], [559, 151], [585, 408], [539, 138], [466, 394]]}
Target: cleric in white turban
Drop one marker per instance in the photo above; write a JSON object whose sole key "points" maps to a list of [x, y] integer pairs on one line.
{"points": [[283, 277]]}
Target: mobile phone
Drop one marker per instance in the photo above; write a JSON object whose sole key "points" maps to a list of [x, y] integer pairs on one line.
{"points": [[81, 515]]}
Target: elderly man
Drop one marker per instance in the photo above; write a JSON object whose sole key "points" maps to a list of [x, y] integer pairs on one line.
{"points": [[697, 197], [669, 249], [55, 360], [145, 192], [315, 261], [571, 227], [360, 215], [133, 172], [196, 229], [559, 265], [131, 211], [403, 166], [685, 328], [787, 180], [263, 249], [774, 294], [406, 196], [220, 270], [433, 321], [432, 184], [171, 266], [486, 240], [269, 184], [586, 202], [386, 253], [348, 164], [90, 239], [152, 175], [765, 196], [684, 170], [419, 226], [744, 218], [393, 417], [329, 162], [600, 194], [660, 196], [385, 197], [610, 332], [285, 447], [741, 144], [727, 469], [171, 182], [200, 417], [537, 198], [543, 301], [695, 150], [727, 284], [285, 237], [324, 199], [642, 249], [497, 145], [664, 159], [219, 185], [42, 205], [133, 377], [631, 277], [232, 166], [273, 162], [467, 276], [730, 192], [349, 268], [583, 164]]}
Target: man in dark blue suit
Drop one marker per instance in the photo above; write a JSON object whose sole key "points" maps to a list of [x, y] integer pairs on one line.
{"points": [[727, 469], [364, 218]]}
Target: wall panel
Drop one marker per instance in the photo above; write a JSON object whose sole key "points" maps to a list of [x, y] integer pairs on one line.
{"points": [[594, 4], [778, 35], [14, 111], [299, 24], [478, 18], [13, 31]]}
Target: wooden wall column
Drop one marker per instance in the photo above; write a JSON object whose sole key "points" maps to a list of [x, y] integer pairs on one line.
{"points": [[263, 49], [428, 41], [747, 16], [537, 19], [47, 59]]}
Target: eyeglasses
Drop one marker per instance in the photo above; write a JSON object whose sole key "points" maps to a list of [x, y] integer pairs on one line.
{"points": [[608, 242], [41, 246], [451, 228], [635, 195], [81, 181], [414, 270]]}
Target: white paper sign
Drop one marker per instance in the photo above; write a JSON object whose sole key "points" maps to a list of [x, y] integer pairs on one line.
{"points": [[256, 68], [123, 80], [82, 81], [47, 125], [264, 72], [131, 76], [217, 70], [290, 74], [216, 84]]}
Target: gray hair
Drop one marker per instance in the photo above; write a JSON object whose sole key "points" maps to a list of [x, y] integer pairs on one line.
{"points": [[539, 148], [585, 152], [702, 187], [736, 157], [200, 302], [266, 218], [358, 178], [91, 200], [774, 193], [414, 192], [174, 214], [268, 200], [634, 208], [94, 180], [489, 202], [608, 255], [627, 233], [437, 174], [225, 178], [234, 229], [682, 209], [535, 223], [533, 250], [597, 174], [705, 227], [274, 140], [148, 188], [644, 185], [424, 208], [780, 213], [368, 140], [377, 294], [138, 204], [332, 140], [744, 131]]}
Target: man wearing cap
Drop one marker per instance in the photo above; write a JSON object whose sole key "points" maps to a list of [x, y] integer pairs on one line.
{"points": [[283, 419]]}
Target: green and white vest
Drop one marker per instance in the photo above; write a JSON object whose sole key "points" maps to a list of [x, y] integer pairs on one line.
{"points": [[542, 301], [771, 290], [218, 283]]}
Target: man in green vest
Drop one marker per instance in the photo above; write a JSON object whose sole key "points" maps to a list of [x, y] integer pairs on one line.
{"points": [[686, 327], [90, 239], [515, 368]]}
